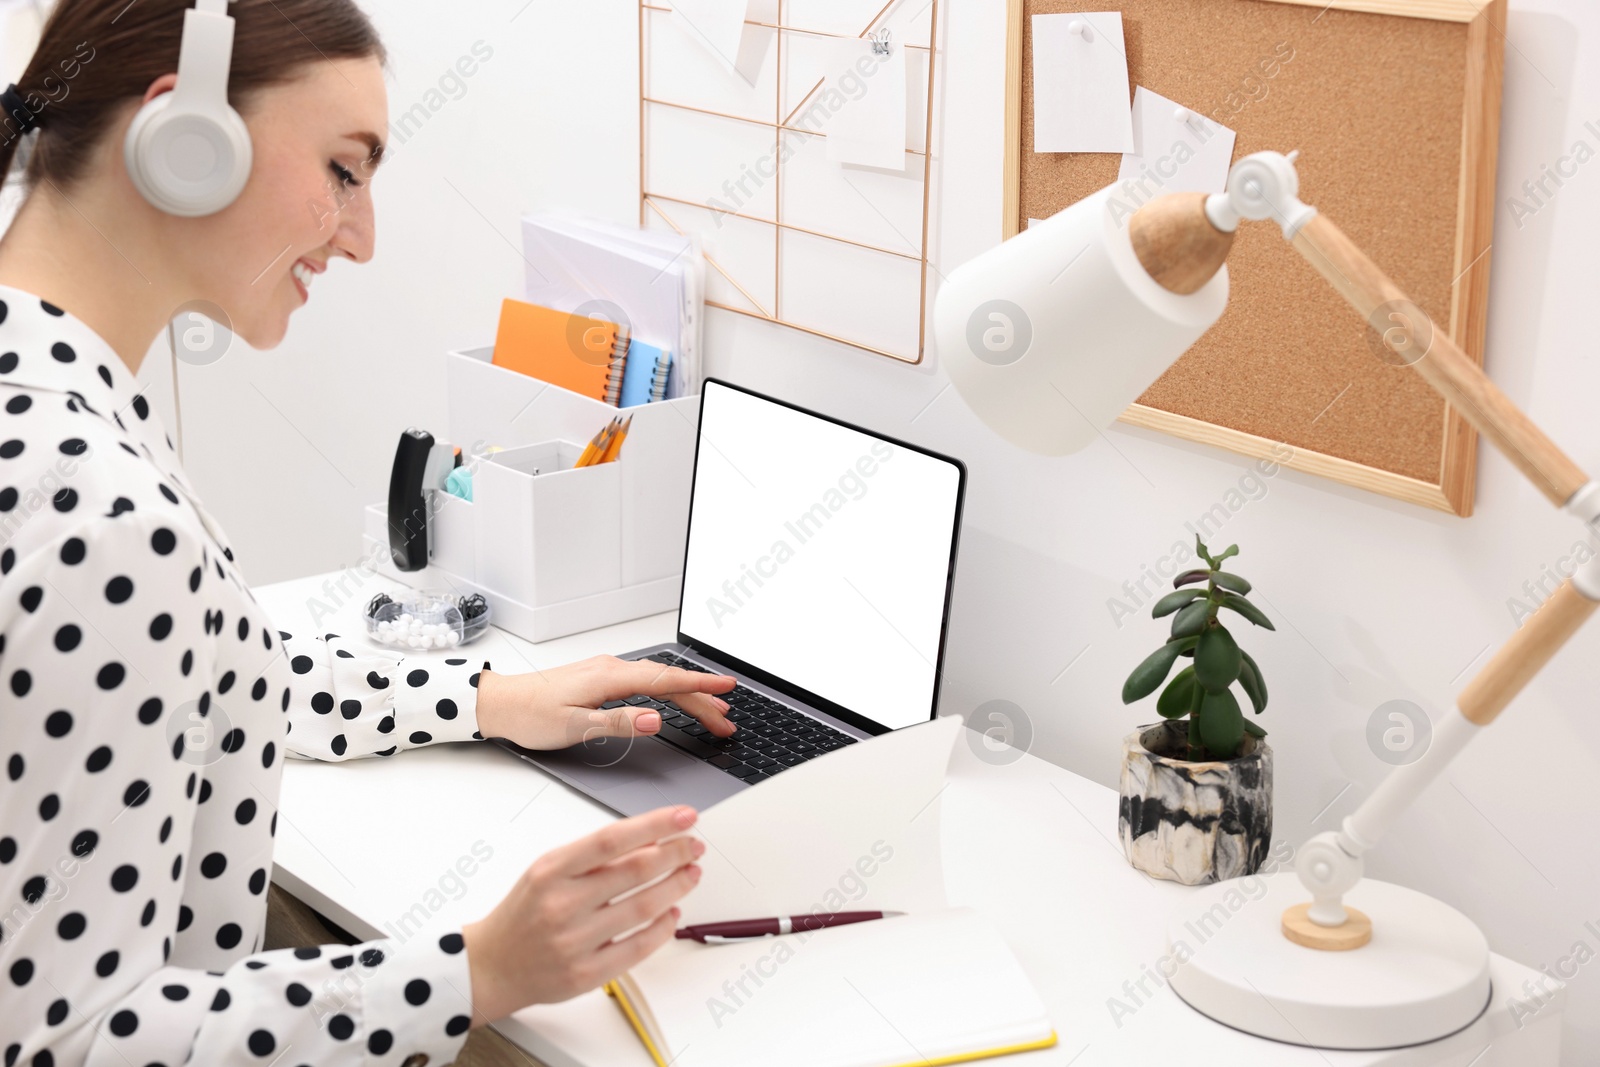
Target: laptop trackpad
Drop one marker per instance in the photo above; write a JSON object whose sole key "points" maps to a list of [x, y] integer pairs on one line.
{"points": [[634, 775]]}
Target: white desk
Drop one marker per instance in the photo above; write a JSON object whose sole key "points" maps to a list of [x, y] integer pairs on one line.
{"points": [[375, 845]]}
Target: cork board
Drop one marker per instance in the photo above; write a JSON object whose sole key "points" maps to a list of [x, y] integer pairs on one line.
{"points": [[1394, 108]]}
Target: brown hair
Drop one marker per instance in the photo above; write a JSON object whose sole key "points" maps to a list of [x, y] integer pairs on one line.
{"points": [[95, 56]]}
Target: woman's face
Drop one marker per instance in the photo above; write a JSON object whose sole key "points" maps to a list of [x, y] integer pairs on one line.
{"points": [[316, 142]]}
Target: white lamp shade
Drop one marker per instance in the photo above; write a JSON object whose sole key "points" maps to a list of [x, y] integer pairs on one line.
{"points": [[1050, 336]]}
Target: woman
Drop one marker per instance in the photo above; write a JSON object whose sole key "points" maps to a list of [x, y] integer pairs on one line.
{"points": [[133, 875]]}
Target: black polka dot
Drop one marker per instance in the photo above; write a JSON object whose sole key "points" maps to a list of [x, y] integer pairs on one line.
{"points": [[56, 1014], [339, 963], [119, 589], [166, 829], [167, 492], [268, 751], [137, 793], [106, 965], [49, 807], [141, 406], [185, 917], [84, 843], [72, 925], [297, 995], [11, 449], [228, 935], [150, 711], [213, 865], [18, 404], [34, 888], [177, 867], [8, 498], [458, 1025], [21, 682], [124, 878], [301, 664], [221, 1001], [62, 352], [417, 678], [14, 766], [205, 791], [371, 957], [111, 675], [194, 579], [73, 446], [73, 550], [8, 363], [68, 638], [258, 881], [418, 991], [338, 744], [445, 709], [120, 505], [65, 500], [163, 541], [233, 740], [262, 1043], [22, 971], [259, 690], [98, 760], [160, 627], [379, 1042], [386, 724], [124, 1023], [341, 1026], [175, 992], [8, 849], [187, 663], [420, 737], [31, 598]]}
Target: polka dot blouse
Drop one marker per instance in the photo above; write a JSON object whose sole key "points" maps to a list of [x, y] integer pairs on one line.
{"points": [[146, 707]]}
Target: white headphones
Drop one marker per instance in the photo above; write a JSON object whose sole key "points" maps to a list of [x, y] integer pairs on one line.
{"points": [[188, 151]]}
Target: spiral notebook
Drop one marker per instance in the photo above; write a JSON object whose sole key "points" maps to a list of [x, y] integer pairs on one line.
{"points": [[583, 354]]}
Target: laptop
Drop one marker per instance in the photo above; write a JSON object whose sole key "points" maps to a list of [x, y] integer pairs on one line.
{"points": [[818, 573]]}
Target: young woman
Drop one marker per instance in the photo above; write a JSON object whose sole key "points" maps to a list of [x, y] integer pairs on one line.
{"points": [[133, 875]]}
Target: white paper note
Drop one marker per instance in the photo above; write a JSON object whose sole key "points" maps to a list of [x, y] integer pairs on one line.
{"points": [[865, 96], [1176, 150], [720, 27], [1080, 84]]}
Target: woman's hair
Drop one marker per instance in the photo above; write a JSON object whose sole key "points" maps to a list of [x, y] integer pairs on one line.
{"points": [[95, 56]]}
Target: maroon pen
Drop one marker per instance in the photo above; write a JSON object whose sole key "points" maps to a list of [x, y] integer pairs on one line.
{"points": [[749, 929]]}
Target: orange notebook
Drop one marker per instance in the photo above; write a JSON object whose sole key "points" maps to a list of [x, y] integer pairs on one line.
{"points": [[582, 354]]}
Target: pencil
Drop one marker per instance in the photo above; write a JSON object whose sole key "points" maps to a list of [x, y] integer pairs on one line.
{"points": [[614, 447], [595, 446]]}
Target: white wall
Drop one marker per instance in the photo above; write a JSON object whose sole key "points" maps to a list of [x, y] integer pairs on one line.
{"points": [[1375, 600]]}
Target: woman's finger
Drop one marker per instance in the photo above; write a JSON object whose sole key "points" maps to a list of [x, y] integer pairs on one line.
{"points": [[712, 713], [640, 867], [656, 680], [619, 956], [621, 837], [643, 907]]}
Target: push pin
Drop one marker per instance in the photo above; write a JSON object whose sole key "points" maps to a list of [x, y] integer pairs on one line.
{"points": [[1081, 29], [1184, 115]]}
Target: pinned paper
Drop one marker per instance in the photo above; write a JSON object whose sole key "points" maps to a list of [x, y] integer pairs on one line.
{"points": [[1176, 150], [719, 25], [1080, 84], [865, 95]]}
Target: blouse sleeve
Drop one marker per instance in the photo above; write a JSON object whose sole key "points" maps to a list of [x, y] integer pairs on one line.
{"points": [[106, 653], [347, 700]]}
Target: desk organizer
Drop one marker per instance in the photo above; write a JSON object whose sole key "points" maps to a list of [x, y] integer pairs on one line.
{"points": [[567, 548]]}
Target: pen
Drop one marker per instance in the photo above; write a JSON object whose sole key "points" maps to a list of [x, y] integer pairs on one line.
{"points": [[750, 929]]}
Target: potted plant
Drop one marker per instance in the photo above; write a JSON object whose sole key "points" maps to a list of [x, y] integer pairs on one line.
{"points": [[1197, 786]]}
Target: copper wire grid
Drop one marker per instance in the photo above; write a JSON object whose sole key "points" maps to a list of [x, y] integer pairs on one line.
{"points": [[651, 201]]}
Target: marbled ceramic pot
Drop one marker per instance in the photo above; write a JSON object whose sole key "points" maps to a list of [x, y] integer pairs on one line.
{"points": [[1193, 822]]}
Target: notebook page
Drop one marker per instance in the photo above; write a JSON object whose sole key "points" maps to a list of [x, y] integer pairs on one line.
{"points": [[854, 830], [873, 994]]}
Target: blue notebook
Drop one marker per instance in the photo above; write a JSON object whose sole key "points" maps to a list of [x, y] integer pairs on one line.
{"points": [[645, 376]]}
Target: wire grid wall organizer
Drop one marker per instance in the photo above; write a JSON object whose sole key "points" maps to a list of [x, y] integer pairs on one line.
{"points": [[738, 165]]}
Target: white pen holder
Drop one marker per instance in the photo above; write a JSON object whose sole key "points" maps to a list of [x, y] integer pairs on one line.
{"points": [[569, 548]]}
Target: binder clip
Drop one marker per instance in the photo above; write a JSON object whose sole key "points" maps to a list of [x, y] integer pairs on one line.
{"points": [[880, 41]]}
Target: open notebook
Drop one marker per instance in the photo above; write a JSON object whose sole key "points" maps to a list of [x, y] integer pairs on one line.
{"points": [[856, 830]]}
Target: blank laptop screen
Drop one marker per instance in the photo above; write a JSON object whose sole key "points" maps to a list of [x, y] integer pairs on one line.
{"points": [[820, 555]]}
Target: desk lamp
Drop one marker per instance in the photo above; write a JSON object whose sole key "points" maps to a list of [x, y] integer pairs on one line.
{"points": [[1048, 337]]}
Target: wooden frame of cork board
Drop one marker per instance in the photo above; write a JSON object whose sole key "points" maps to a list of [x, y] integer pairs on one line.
{"points": [[1395, 108]]}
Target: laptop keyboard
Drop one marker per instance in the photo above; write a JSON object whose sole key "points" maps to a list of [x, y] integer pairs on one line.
{"points": [[771, 738]]}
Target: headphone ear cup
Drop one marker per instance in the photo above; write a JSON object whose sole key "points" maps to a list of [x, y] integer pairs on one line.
{"points": [[187, 161]]}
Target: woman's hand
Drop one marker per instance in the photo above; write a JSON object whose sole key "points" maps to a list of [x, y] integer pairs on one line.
{"points": [[560, 707], [551, 938]]}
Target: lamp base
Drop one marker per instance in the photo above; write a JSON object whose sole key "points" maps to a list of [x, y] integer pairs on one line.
{"points": [[1423, 976]]}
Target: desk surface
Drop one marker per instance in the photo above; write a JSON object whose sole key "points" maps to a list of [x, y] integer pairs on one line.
{"points": [[1027, 843]]}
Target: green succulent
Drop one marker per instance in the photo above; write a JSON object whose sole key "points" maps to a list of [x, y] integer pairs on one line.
{"points": [[1203, 691]]}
